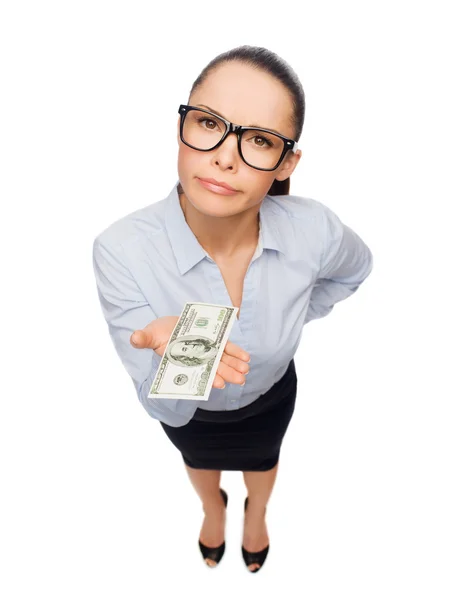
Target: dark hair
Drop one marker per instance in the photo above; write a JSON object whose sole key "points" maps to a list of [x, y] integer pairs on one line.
{"points": [[268, 61]]}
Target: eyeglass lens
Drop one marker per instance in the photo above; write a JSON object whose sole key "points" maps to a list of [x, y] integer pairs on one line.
{"points": [[260, 149]]}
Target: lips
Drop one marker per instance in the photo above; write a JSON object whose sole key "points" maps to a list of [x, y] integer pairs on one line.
{"points": [[219, 183]]}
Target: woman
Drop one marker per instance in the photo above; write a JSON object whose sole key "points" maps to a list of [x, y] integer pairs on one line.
{"points": [[230, 233]]}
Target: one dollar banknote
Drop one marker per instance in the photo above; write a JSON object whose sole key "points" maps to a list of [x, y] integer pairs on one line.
{"points": [[192, 355]]}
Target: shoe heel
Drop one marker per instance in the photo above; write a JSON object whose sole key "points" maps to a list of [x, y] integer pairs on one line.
{"points": [[217, 553], [253, 557]]}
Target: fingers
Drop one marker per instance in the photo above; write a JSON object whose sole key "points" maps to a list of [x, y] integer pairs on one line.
{"points": [[234, 363], [219, 382], [235, 351], [236, 358], [233, 366], [230, 375]]}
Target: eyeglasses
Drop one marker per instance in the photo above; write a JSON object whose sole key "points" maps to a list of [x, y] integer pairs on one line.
{"points": [[259, 148]]}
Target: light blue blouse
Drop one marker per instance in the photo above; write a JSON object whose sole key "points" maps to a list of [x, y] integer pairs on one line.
{"points": [[149, 263]]}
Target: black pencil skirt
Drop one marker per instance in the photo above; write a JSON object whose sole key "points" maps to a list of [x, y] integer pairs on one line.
{"points": [[245, 439]]}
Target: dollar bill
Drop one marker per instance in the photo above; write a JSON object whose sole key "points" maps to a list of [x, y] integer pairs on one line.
{"points": [[192, 355]]}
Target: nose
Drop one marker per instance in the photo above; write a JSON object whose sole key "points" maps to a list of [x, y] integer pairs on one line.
{"points": [[227, 153], [231, 139]]}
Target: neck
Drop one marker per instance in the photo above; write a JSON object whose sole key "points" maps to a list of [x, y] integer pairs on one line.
{"points": [[223, 237]]}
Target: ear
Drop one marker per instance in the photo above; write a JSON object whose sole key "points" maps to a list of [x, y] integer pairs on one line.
{"points": [[288, 165]]}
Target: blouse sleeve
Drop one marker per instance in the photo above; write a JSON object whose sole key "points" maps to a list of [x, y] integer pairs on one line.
{"points": [[125, 310], [345, 264]]}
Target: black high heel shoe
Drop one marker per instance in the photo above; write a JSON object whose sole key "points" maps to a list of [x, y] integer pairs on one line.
{"points": [[254, 557], [214, 554]]}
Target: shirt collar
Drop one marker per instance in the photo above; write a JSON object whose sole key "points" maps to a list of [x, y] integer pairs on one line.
{"points": [[186, 248]]}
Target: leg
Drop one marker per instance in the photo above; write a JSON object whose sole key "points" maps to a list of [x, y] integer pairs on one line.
{"points": [[207, 485], [259, 485]]}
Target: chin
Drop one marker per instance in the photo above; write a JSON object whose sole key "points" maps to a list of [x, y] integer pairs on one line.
{"points": [[213, 211], [209, 202]]}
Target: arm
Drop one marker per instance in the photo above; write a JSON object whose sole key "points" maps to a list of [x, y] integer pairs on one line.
{"points": [[125, 310], [346, 262]]}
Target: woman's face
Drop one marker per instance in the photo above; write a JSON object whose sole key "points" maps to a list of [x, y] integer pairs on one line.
{"points": [[244, 96]]}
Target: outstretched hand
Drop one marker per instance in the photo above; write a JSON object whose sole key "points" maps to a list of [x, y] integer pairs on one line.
{"points": [[233, 365]]}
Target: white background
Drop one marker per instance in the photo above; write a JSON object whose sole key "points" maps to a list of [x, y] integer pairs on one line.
{"points": [[95, 500]]}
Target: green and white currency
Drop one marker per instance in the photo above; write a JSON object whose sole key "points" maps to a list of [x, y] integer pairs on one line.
{"points": [[192, 355]]}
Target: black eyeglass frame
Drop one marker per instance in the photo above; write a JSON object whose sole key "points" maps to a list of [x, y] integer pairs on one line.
{"points": [[238, 129]]}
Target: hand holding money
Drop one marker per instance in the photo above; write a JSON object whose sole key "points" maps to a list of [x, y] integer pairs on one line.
{"points": [[233, 363]]}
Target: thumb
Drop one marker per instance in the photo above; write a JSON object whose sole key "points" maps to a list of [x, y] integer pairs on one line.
{"points": [[140, 339]]}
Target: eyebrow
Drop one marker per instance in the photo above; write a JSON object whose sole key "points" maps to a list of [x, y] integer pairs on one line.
{"points": [[252, 124]]}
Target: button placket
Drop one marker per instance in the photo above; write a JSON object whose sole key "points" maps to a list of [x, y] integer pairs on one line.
{"points": [[220, 294]]}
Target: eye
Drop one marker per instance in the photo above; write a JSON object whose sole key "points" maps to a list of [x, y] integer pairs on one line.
{"points": [[266, 141], [207, 120]]}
